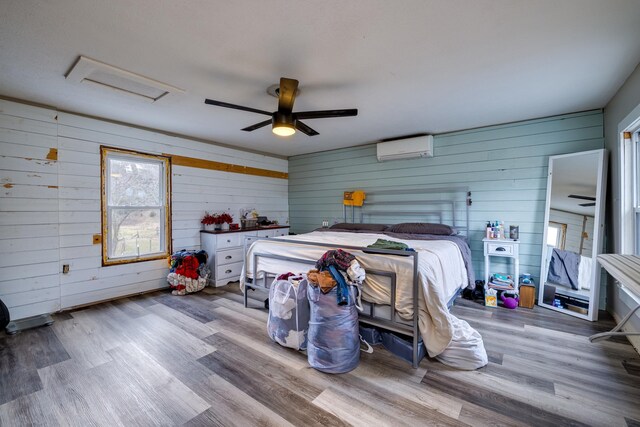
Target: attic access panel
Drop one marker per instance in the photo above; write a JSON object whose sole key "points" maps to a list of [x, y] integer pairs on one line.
{"points": [[87, 70]]}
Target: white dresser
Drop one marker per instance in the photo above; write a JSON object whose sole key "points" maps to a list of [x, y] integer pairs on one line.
{"points": [[504, 248], [226, 250]]}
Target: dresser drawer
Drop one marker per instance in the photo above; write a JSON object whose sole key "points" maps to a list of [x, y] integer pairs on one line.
{"points": [[229, 256], [248, 240], [281, 232], [228, 240], [266, 233], [501, 248], [229, 270]]}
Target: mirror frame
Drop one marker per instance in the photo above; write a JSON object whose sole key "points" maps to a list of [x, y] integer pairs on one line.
{"points": [[598, 234]]}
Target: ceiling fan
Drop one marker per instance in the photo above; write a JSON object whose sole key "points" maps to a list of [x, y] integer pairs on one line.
{"points": [[575, 196], [284, 121]]}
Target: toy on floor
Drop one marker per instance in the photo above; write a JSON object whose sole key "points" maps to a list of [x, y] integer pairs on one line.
{"points": [[509, 302]]}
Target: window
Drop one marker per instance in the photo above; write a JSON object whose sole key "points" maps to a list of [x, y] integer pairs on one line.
{"points": [[556, 234], [629, 242], [635, 170], [136, 208]]}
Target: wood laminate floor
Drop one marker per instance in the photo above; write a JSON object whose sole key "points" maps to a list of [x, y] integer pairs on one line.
{"points": [[203, 359]]}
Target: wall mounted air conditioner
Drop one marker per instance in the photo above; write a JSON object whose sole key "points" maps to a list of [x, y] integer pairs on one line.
{"points": [[408, 148]]}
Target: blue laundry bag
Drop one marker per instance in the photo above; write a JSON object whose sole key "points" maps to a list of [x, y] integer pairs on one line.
{"points": [[334, 340]]}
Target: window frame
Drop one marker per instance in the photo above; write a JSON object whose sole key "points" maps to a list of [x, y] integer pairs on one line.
{"points": [[635, 188], [562, 234], [107, 153]]}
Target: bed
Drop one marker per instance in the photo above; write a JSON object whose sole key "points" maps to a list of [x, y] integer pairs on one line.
{"points": [[405, 292], [569, 272]]}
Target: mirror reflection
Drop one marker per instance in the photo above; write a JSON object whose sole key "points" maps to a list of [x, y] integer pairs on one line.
{"points": [[568, 256]]}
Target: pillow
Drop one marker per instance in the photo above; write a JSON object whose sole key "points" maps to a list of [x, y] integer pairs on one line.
{"points": [[358, 227], [423, 228]]}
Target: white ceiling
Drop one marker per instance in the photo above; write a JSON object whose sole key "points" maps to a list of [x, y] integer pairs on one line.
{"points": [[408, 66]]}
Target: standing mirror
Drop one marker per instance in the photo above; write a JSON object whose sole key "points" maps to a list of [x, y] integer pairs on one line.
{"points": [[574, 223]]}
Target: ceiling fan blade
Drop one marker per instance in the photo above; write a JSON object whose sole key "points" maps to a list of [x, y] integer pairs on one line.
{"points": [[236, 107], [575, 196], [321, 114], [287, 94], [584, 205], [257, 126], [305, 129]]}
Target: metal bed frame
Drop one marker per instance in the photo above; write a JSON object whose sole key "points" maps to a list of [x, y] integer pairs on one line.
{"points": [[373, 196], [370, 318]]}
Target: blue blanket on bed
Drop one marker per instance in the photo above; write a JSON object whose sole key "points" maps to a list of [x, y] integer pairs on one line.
{"points": [[563, 268]]}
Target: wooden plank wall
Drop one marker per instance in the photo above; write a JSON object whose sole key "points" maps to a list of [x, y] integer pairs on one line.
{"points": [[574, 230], [60, 221], [29, 229], [505, 166]]}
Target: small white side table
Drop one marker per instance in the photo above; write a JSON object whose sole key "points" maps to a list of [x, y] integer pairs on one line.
{"points": [[506, 248]]}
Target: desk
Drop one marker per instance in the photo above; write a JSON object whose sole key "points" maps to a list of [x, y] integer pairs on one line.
{"points": [[626, 270]]}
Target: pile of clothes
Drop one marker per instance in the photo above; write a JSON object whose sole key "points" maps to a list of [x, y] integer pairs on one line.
{"points": [[337, 268], [188, 272]]}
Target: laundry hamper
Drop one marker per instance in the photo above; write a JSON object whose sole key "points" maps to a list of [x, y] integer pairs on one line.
{"points": [[334, 339], [288, 320]]}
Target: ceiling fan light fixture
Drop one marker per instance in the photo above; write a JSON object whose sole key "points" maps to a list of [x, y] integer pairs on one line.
{"points": [[283, 124], [283, 130]]}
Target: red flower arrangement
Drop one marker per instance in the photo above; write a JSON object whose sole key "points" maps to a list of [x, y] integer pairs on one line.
{"points": [[222, 218], [208, 219]]}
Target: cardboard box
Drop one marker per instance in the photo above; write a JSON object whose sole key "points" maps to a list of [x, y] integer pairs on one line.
{"points": [[527, 296]]}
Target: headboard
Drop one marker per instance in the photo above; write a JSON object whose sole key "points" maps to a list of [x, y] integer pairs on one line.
{"points": [[442, 205]]}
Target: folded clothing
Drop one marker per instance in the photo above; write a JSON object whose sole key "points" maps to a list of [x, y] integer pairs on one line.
{"points": [[389, 244]]}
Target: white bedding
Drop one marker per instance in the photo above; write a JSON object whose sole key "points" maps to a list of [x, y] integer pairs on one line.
{"points": [[441, 273], [584, 272]]}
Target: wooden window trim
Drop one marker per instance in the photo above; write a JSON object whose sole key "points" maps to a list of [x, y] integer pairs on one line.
{"points": [[104, 151], [563, 233]]}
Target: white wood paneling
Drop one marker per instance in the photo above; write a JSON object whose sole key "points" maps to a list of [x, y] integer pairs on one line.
{"points": [[29, 247], [50, 209], [27, 285], [194, 191], [20, 258]]}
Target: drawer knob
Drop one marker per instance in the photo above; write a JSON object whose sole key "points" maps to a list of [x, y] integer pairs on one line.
{"points": [[228, 257], [500, 249], [228, 241], [228, 271]]}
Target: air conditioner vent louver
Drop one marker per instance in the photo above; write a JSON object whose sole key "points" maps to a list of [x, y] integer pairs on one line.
{"points": [[87, 70], [409, 148]]}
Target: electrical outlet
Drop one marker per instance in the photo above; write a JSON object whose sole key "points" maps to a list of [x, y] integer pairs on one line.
{"points": [[65, 269]]}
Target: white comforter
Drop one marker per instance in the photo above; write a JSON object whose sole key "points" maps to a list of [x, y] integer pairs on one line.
{"points": [[441, 273]]}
